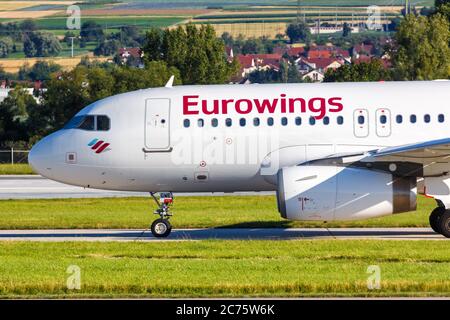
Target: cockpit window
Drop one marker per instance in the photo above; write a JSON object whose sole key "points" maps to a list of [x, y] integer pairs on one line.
{"points": [[90, 123], [103, 123]]}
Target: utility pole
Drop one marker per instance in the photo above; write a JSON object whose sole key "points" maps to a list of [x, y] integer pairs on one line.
{"points": [[71, 40]]}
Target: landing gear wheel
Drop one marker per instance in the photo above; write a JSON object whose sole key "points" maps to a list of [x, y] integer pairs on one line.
{"points": [[444, 224], [161, 228], [434, 218]]}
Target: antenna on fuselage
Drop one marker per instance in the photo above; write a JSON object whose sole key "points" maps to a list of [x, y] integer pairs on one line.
{"points": [[169, 83]]}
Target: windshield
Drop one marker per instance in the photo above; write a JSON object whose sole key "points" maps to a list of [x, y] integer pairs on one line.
{"points": [[89, 123]]}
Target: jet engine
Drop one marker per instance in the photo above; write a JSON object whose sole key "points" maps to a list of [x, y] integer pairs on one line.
{"points": [[327, 193]]}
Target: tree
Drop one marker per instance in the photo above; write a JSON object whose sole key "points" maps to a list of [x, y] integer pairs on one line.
{"points": [[443, 8], [42, 70], [14, 113], [6, 46], [346, 30], [298, 31], [41, 44], [107, 48], [28, 25], [422, 51], [366, 71], [91, 31], [195, 51]]}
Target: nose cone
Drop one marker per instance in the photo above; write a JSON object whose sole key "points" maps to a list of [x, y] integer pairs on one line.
{"points": [[40, 157]]}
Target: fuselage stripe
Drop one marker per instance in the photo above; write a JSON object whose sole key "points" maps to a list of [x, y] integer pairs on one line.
{"points": [[103, 147], [97, 145]]}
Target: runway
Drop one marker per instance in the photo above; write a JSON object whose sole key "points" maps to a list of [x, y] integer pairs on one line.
{"points": [[222, 234], [37, 187]]}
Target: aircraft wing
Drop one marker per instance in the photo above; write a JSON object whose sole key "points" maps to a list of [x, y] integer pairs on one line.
{"points": [[423, 152], [429, 158]]}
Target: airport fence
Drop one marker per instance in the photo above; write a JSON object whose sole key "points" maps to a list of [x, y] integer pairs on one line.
{"points": [[13, 156]]}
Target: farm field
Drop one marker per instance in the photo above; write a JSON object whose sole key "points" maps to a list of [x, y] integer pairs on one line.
{"points": [[190, 212], [13, 65], [217, 268]]}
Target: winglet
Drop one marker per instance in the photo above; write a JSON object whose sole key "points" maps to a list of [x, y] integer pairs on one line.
{"points": [[170, 82]]}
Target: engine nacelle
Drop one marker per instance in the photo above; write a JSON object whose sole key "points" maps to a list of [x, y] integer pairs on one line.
{"points": [[327, 193]]}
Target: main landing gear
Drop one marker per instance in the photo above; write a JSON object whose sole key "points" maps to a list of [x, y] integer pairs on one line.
{"points": [[440, 221], [161, 227]]}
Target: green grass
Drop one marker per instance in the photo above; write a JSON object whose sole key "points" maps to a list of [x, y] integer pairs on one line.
{"points": [[109, 22], [293, 3], [190, 212], [216, 268], [9, 169]]}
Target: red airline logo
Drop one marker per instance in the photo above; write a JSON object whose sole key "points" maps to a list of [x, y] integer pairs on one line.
{"points": [[318, 106]]}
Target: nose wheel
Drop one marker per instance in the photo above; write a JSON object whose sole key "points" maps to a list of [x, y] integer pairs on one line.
{"points": [[440, 221], [161, 227]]}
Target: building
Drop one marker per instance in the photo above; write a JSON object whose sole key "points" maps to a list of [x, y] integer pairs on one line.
{"points": [[131, 55]]}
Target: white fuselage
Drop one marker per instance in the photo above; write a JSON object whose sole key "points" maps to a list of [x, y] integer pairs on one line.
{"points": [[150, 147]]}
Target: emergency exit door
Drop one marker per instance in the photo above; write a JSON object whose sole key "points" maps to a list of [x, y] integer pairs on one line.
{"points": [[157, 126], [383, 122], [361, 123]]}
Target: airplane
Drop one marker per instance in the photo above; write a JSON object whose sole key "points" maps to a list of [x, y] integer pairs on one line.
{"points": [[331, 151]]}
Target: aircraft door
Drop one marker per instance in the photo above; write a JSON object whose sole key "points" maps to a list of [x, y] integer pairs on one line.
{"points": [[157, 125]]}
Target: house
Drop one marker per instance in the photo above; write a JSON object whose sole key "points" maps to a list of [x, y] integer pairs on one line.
{"points": [[294, 52], [363, 49], [315, 68], [314, 76], [328, 52], [253, 62], [131, 55], [229, 53], [305, 65], [323, 64]]}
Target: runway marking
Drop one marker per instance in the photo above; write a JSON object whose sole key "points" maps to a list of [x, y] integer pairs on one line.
{"points": [[222, 234]]}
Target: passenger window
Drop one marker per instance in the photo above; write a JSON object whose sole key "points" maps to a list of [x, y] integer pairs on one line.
{"points": [[441, 118], [214, 122], [186, 123], [399, 118], [242, 122], [284, 121], [312, 121], [200, 123], [426, 118], [383, 119], [270, 121], [298, 121], [228, 122], [103, 123], [361, 120], [326, 121], [340, 120], [256, 122], [413, 118], [88, 123]]}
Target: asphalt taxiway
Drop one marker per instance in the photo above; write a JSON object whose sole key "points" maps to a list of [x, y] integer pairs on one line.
{"points": [[222, 234]]}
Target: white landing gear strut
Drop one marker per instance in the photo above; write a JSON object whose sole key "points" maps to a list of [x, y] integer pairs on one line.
{"points": [[161, 227]]}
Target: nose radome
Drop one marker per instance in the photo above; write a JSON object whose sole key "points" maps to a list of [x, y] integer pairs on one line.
{"points": [[40, 158]]}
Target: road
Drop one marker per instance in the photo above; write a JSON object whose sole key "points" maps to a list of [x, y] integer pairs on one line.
{"points": [[37, 187], [223, 234]]}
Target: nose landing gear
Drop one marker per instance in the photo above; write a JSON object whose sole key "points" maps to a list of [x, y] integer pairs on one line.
{"points": [[440, 221], [161, 227]]}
